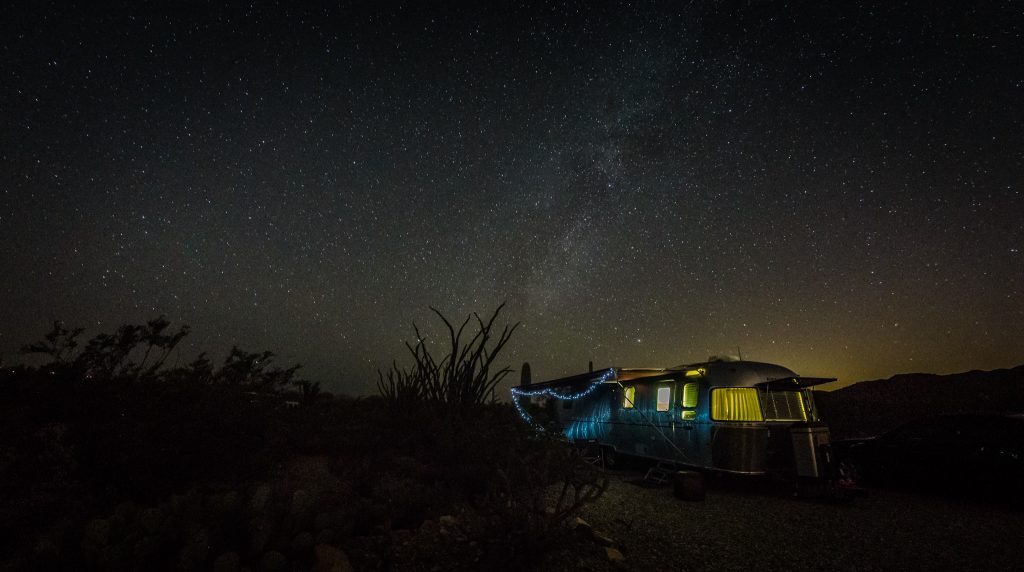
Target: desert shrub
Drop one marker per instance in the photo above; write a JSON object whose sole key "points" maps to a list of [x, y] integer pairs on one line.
{"points": [[463, 378], [139, 353], [541, 487], [525, 483], [172, 448], [131, 352]]}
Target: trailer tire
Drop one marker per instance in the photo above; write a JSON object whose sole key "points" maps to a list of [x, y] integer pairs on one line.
{"points": [[688, 485]]}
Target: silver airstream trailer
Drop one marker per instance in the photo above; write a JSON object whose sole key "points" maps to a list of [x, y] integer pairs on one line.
{"points": [[722, 415]]}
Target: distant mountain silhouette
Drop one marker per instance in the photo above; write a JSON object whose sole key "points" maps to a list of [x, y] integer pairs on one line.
{"points": [[872, 407]]}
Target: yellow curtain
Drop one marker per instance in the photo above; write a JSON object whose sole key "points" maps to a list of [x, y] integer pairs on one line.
{"points": [[690, 395], [629, 394], [735, 404]]}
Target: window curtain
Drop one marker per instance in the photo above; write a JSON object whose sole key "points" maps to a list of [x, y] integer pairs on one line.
{"points": [[628, 396], [735, 404], [784, 406], [690, 395]]}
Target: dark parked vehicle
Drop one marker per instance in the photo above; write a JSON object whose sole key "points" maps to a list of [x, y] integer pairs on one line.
{"points": [[965, 454]]}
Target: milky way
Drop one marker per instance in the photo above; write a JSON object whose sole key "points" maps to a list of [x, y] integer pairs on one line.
{"points": [[833, 186]]}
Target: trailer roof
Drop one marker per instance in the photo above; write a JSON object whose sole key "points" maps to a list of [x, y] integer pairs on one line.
{"points": [[719, 372]]}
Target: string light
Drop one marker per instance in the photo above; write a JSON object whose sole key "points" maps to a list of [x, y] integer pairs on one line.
{"points": [[517, 393]]}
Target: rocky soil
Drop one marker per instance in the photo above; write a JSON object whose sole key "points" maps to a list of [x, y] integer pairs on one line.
{"points": [[736, 529]]}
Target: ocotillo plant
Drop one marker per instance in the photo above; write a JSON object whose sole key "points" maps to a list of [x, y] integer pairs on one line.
{"points": [[462, 378]]}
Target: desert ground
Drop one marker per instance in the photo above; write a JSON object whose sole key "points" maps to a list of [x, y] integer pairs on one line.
{"points": [[736, 528]]}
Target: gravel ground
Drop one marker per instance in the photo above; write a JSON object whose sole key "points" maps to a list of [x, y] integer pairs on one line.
{"points": [[740, 530]]}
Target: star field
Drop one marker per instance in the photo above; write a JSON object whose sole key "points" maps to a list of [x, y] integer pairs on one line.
{"points": [[832, 186]]}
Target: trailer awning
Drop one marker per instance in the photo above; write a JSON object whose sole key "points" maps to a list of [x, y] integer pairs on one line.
{"points": [[792, 383], [582, 379]]}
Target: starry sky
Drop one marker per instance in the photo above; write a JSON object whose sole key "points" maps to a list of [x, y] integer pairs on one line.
{"points": [[835, 186]]}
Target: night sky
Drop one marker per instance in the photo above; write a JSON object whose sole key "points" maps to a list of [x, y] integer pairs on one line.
{"points": [[832, 186]]}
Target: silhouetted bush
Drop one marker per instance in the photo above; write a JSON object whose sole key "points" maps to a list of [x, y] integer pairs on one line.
{"points": [[463, 378], [110, 461]]}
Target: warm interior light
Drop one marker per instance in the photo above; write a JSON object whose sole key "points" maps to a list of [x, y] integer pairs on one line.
{"points": [[690, 394], [628, 395], [784, 406], [664, 394], [735, 404]]}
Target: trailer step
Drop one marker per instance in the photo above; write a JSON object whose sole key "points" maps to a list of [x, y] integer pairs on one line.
{"points": [[659, 474]]}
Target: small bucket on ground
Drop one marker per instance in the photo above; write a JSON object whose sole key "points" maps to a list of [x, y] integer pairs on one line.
{"points": [[688, 485]]}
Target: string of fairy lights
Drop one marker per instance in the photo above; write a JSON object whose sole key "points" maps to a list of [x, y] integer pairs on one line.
{"points": [[517, 393]]}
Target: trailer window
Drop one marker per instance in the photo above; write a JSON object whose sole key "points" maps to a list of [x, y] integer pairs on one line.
{"points": [[690, 395], [735, 404], [628, 396], [664, 395], [689, 401], [784, 406]]}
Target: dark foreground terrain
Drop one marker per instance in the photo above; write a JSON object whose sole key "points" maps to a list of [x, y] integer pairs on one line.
{"points": [[114, 462], [733, 529]]}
